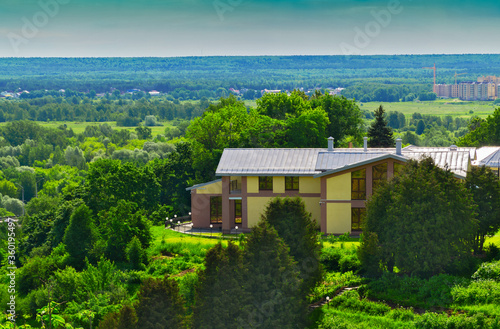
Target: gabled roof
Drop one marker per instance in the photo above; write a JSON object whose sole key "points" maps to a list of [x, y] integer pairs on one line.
{"points": [[203, 184], [367, 159], [264, 162], [456, 161], [319, 162], [492, 160], [334, 160], [413, 148]]}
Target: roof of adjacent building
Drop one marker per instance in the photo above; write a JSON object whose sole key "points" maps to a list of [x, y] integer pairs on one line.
{"points": [[318, 162], [492, 160]]}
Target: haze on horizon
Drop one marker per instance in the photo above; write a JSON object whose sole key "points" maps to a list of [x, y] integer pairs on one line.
{"points": [[169, 28]]}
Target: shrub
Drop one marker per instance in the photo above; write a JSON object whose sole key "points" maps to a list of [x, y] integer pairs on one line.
{"points": [[477, 292], [488, 271], [340, 259], [350, 300]]}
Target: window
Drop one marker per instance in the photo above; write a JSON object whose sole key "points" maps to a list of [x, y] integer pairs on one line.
{"points": [[358, 214], [379, 173], [237, 211], [358, 185], [291, 183], [265, 183], [215, 209]]}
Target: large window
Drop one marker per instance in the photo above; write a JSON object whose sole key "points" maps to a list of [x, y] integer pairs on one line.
{"points": [[358, 185], [291, 183], [358, 214], [237, 211], [379, 173], [215, 209], [266, 183]]}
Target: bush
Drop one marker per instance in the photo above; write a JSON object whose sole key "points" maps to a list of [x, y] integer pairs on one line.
{"points": [[477, 292], [443, 321], [340, 259], [413, 291], [350, 300], [488, 271]]}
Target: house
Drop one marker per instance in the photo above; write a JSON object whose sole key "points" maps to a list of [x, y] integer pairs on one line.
{"points": [[334, 183]]}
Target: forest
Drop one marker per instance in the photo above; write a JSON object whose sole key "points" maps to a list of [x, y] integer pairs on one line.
{"points": [[93, 250], [398, 77]]}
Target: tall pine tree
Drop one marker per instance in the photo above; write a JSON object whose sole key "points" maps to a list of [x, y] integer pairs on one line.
{"points": [[220, 297], [295, 226], [160, 305], [272, 282], [379, 133]]}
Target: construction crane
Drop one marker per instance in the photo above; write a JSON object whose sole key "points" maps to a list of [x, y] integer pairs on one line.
{"points": [[433, 68], [456, 75]]}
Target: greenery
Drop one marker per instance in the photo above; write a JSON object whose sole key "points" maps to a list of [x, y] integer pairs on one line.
{"points": [[379, 133], [419, 222]]}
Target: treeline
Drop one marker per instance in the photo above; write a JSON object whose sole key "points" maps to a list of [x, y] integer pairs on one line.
{"points": [[198, 77], [377, 92], [79, 107]]}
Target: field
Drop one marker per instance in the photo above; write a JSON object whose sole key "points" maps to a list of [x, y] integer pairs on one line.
{"points": [[79, 127], [453, 107]]}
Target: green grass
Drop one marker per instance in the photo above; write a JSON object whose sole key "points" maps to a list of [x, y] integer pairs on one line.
{"points": [[79, 127], [455, 108], [495, 239]]}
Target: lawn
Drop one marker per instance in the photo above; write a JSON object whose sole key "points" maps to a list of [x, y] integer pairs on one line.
{"points": [[79, 127], [455, 108]]}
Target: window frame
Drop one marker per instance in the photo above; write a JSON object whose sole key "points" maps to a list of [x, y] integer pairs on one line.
{"points": [[216, 210], [358, 194], [267, 182], [292, 183], [238, 213], [357, 217]]}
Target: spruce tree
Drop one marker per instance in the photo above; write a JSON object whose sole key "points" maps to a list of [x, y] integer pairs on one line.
{"points": [[422, 222], [379, 133], [272, 282], [220, 297], [160, 305], [297, 229]]}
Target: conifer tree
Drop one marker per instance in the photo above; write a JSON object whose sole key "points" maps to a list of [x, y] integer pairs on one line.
{"points": [[160, 305], [220, 297], [295, 226], [272, 282], [422, 221], [379, 133]]}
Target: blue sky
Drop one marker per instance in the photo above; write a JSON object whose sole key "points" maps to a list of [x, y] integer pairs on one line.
{"points": [[82, 28]]}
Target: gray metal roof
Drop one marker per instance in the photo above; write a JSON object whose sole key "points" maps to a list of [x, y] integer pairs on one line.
{"points": [[493, 160], [456, 161], [338, 159], [315, 161], [203, 184], [413, 148], [263, 162]]}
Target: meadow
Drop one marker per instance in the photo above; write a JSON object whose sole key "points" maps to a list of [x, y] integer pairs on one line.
{"points": [[441, 108]]}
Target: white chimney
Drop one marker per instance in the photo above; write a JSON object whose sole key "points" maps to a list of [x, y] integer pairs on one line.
{"points": [[365, 143], [399, 143], [330, 144]]}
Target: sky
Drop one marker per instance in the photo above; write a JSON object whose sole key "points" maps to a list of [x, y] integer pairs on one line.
{"points": [[169, 28]]}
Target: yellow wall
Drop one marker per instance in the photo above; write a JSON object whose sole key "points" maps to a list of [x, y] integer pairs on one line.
{"points": [[309, 185], [339, 187], [214, 188], [338, 220], [256, 207], [252, 184], [312, 206], [279, 184]]}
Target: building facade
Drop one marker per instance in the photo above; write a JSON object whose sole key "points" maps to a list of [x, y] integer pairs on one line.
{"points": [[333, 183]]}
